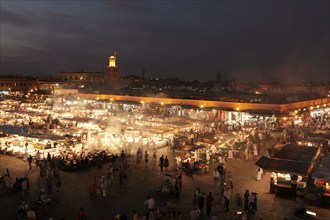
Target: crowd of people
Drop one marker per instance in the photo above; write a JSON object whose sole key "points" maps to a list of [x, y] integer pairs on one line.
{"points": [[119, 166]]}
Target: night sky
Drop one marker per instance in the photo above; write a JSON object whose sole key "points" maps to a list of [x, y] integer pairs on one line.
{"points": [[255, 40]]}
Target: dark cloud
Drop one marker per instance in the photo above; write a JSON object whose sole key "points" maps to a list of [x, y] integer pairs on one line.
{"points": [[13, 18], [61, 15], [187, 39]]}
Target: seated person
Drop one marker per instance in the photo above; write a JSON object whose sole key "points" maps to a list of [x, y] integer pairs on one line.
{"points": [[22, 211], [43, 198]]}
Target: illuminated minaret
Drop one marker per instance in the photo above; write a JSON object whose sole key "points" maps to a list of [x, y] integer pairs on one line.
{"points": [[111, 72], [112, 61]]}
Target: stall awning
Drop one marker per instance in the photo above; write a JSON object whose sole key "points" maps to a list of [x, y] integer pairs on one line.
{"points": [[312, 140], [293, 156], [299, 149], [323, 173], [11, 129], [326, 162], [319, 135], [283, 166]]}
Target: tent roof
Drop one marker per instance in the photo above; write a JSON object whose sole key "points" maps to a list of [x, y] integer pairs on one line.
{"points": [[312, 140], [293, 156], [283, 166], [299, 149], [322, 173], [22, 131], [293, 152], [326, 162], [319, 135]]}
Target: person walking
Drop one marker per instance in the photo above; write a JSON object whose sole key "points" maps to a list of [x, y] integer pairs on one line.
{"points": [[122, 175], [161, 162], [146, 159], [209, 201], [154, 158], [138, 157], [188, 168], [37, 157], [122, 155], [230, 154], [24, 186], [259, 174], [103, 186], [255, 152], [201, 202], [246, 199], [166, 163], [30, 161], [226, 196], [216, 177], [255, 202], [251, 202]]}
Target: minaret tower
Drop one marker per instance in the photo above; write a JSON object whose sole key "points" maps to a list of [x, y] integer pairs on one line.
{"points": [[111, 72]]}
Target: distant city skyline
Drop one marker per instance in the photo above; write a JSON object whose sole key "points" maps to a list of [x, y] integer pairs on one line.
{"points": [[255, 40]]}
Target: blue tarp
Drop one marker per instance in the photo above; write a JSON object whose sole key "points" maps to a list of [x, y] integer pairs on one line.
{"points": [[23, 131]]}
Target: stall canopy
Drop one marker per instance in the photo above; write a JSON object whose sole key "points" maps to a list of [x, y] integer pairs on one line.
{"points": [[23, 131], [319, 135], [323, 172], [293, 152], [299, 149], [317, 141], [10, 129], [293, 156], [289, 158], [283, 166]]}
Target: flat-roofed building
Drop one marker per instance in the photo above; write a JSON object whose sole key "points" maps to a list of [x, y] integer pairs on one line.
{"points": [[82, 77], [17, 83]]}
